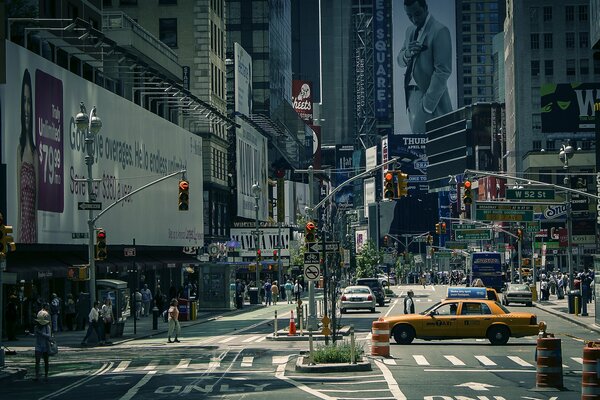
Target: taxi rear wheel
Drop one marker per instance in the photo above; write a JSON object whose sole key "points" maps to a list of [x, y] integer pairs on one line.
{"points": [[498, 335], [404, 334]]}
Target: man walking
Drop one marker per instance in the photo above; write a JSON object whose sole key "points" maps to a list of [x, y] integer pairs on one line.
{"points": [[288, 291], [146, 299], [94, 325], [409, 304], [55, 312]]}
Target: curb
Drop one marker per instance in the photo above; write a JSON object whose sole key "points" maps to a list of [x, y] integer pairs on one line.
{"points": [[282, 336], [584, 324], [318, 368]]}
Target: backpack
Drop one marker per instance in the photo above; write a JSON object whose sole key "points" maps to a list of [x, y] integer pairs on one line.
{"points": [[165, 315]]}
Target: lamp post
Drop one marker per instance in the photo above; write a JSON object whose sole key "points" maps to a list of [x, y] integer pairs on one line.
{"points": [[256, 192], [566, 153], [91, 126]]}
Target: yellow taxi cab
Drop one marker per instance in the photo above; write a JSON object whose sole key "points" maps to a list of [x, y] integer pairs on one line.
{"points": [[470, 315]]}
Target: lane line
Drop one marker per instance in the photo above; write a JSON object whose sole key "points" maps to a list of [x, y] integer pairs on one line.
{"points": [[122, 366], [421, 360], [479, 370], [247, 361], [454, 360], [152, 365], [357, 383], [250, 339], [184, 363], [392, 384], [485, 361], [214, 363], [520, 361], [354, 391], [391, 307], [133, 391]]}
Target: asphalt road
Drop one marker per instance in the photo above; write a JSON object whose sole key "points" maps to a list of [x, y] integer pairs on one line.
{"points": [[232, 358]]}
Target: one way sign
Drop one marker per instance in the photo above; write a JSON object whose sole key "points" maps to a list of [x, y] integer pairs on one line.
{"points": [[330, 247]]}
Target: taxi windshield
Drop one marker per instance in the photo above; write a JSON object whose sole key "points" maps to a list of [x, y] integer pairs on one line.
{"points": [[430, 308], [504, 309]]}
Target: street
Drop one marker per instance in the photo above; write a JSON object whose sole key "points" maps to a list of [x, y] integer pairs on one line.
{"points": [[232, 357]]}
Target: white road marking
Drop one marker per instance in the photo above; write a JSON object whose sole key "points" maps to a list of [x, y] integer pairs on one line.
{"points": [[392, 384], [478, 370], [354, 391], [152, 365], [250, 339], [247, 361], [577, 359], [184, 363], [520, 361], [357, 382], [454, 360], [391, 307], [279, 359], [229, 339], [214, 363], [133, 391], [485, 361], [104, 368], [389, 361], [421, 360], [280, 374], [261, 339], [122, 366]]}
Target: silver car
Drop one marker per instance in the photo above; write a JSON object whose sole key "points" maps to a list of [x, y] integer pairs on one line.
{"points": [[517, 293], [357, 298]]}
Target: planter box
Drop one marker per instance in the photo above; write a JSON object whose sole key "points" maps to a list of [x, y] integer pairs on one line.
{"points": [[303, 366]]}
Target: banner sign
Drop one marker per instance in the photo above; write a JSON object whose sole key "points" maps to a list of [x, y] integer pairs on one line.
{"points": [[568, 107], [302, 99]]}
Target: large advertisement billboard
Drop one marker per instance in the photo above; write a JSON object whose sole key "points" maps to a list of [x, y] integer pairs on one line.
{"points": [[302, 99], [382, 58], [410, 150], [568, 107], [46, 170], [429, 55], [243, 80], [344, 198]]}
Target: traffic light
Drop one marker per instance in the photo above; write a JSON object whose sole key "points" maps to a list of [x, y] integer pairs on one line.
{"points": [[438, 228], [388, 186], [275, 255], [6, 240], [310, 232], [429, 239], [443, 228], [258, 255], [184, 196], [385, 241], [402, 183], [101, 250], [78, 273], [519, 234], [468, 196]]}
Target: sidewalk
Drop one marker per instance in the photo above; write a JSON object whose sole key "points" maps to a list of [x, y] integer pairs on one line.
{"points": [[560, 309]]}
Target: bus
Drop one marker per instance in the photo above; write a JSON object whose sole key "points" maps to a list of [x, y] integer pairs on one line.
{"points": [[487, 266]]}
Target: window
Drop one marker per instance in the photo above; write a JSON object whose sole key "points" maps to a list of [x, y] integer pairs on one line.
{"points": [[480, 27], [536, 121], [583, 13], [466, 38], [475, 309], [570, 40], [550, 145], [468, 91], [547, 40], [107, 3], [535, 41], [569, 13], [537, 145], [466, 7], [482, 49], [167, 2], [549, 67], [481, 59], [167, 31], [446, 309], [467, 80], [533, 15], [128, 2], [467, 101], [466, 28], [584, 40], [571, 67], [467, 49], [467, 70], [480, 38], [547, 13], [466, 59], [480, 17], [596, 66], [535, 67], [466, 17], [584, 66]]}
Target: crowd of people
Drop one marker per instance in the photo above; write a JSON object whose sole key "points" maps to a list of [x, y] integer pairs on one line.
{"points": [[269, 292]]}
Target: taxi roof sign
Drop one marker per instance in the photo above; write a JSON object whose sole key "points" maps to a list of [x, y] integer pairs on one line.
{"points": [[467, 293]]}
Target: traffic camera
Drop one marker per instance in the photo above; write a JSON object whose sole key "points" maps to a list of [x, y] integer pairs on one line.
{"points": [[184, 197], [101, 248]]}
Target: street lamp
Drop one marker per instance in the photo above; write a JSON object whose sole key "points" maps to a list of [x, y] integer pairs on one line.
{"points": [[566, 153], [256, 192], [91, 126]]}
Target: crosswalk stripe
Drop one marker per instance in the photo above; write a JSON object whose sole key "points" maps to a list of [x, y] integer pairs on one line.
{"points": [[214, 363], [280, 359], [485, 361], [421, 360], [454, 360], [520, 361], [250, 339], [247, 361], [389, 361], [261, 339], [577, 359], [184, 363], [152, 365], [229, 339], [122, 366]]}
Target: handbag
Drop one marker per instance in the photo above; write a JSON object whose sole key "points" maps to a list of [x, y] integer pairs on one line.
{"points": [[52, 347]]}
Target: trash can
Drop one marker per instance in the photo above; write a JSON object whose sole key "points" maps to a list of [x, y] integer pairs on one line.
{"points": [[571, 301], [253, 294]]}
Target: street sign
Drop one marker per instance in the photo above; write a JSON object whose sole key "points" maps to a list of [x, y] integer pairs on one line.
{"points": [[473, 234], [464, 226], [494, 211], [530, 194], [330, 247], [129, 251], [89, 205], [443, 254], [533, 227], [455, 245], [312, 272], [311, 258]]}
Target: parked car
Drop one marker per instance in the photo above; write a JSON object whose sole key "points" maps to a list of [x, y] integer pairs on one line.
{"points": [[376, 287], [357, 298], [517, 293]]}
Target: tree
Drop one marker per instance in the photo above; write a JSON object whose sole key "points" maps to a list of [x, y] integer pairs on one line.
{"points": [[367, 260]]}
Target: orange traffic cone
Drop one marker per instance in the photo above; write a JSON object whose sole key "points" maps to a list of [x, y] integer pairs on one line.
{"points": [[292, 329]]}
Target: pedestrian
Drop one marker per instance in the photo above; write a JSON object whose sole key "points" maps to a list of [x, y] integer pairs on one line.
{"points": [[409, 304], [544, 289], [93, 326], [107, 317], [159, 298], [146, 299], [275, 292], [239, 294], [43, 336], [55, 312], [174, 327], [297, 290], [288, 291], [268, 294], [12, 315], [70, 311], [138, 303]]}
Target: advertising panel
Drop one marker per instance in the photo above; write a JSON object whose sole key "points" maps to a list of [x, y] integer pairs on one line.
{"points": [[569, 107], [45, 162], [243, 80], [267, 243], [302, 99], [382, 58], [410, 149], [360, 239], [251, 167], [344, 198], [432, 68]]}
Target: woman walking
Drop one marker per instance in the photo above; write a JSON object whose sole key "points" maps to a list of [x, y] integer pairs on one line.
{"points": [[174, 326], [107, 315], [42, 343]]}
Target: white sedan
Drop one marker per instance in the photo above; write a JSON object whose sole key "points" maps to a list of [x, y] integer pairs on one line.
{"points": [[357, 298]]}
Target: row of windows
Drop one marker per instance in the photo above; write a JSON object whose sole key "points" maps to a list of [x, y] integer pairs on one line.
{"points": [[478, 38], [584, 40], [217, 7], [481, 6], [552, 144], [109, 3], [217, 40], [219, 164], [571, 67], [167, 31], [218, 82], [482, 17], [493, 27], [547, 11], [481, 90]]}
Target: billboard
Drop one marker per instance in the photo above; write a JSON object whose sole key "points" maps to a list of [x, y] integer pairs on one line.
{"points": [[302, 99], [243, 80], [433, 68], [45, 155], [382, 58], [267, 243], [251, 166], [344, 198], [569, 107], [410, 150]]}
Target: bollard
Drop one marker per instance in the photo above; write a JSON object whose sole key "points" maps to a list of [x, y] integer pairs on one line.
{"points": [[548, 357], [576, 304], [301, 322], [275, 324], [380, 339], [155, 318], [310, 347], [590, 379], [352, 343]]}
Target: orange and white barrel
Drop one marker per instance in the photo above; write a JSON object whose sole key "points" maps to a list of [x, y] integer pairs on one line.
{"points": [[590, 379], [549, 371], [380, 339]]}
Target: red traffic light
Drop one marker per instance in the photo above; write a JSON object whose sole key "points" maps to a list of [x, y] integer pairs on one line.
{"points": [[467, 184], [101, 235], [389, 176], [258, 252], [184, 185]]}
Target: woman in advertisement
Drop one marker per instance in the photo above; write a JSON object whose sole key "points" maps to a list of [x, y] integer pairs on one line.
{"points": [[27, 167]]}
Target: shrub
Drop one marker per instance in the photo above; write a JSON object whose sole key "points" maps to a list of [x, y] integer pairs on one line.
{"points": [[337, 352]]}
